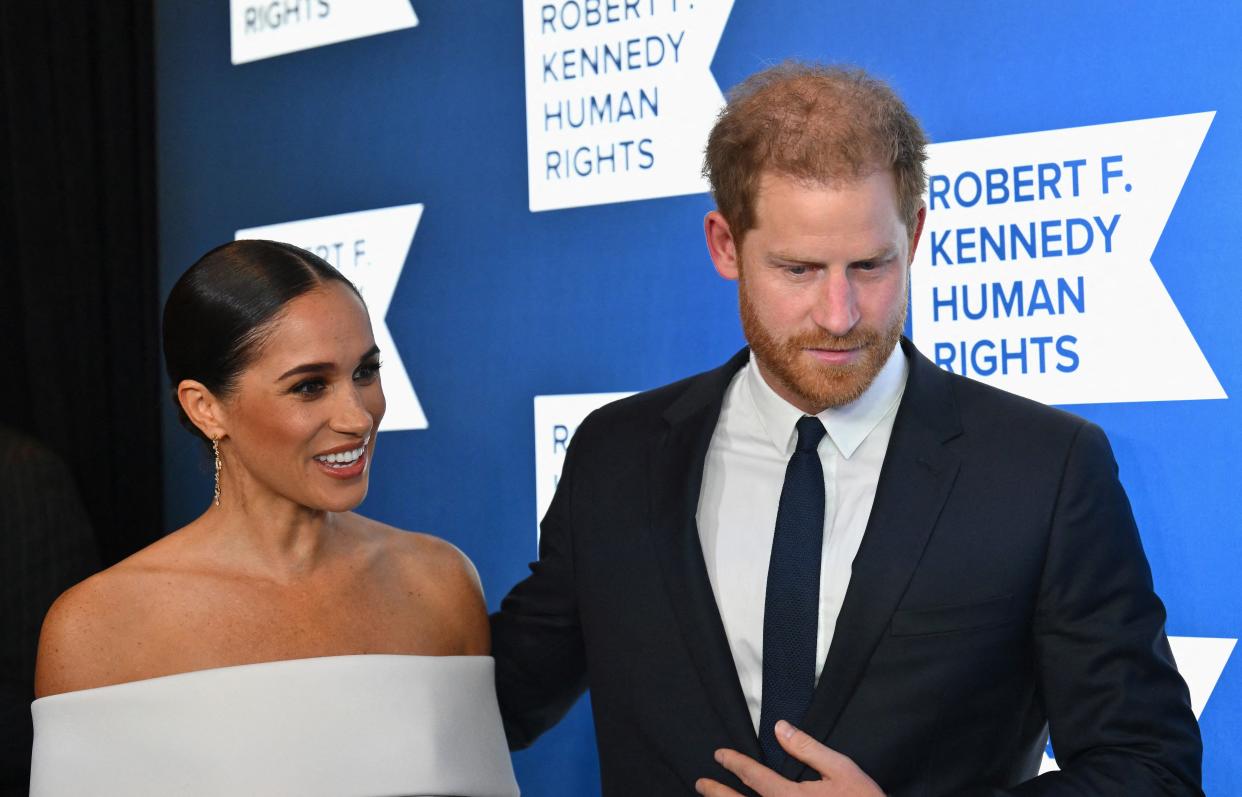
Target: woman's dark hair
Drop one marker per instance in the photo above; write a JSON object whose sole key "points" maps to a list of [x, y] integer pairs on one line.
{"points": [[218, 313]]}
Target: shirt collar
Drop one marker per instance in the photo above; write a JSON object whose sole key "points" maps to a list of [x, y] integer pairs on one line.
{"points": [[847, 425]]}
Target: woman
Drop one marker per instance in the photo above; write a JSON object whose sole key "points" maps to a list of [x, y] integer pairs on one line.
{"points": [[279, 643]]}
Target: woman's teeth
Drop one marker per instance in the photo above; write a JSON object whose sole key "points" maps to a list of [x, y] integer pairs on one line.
{"points": [[343, 458]]}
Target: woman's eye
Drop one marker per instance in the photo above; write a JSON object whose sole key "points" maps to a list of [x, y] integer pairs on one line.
{"points": [[308, 388], [367, 372]]}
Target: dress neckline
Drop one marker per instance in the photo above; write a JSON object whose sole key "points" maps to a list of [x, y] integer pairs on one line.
{"points": [[257, 666]]}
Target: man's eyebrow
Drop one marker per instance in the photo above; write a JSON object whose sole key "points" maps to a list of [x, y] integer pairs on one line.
{"points": [[883, 253], [316, 368], [880, 255], [785, 257]]}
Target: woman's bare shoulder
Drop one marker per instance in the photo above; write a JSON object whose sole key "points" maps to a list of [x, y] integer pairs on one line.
{"points": [[82, 631], [439, 575], [424, 554], [89, 633]]}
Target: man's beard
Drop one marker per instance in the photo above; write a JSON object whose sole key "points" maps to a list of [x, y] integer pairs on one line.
{"points": [[820, 385]]}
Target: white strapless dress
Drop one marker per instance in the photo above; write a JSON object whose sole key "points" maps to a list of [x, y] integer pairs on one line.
{"points": [[366, 725]]}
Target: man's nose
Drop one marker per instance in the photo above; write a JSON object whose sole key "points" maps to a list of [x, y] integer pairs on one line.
{"points": [[836, 305]]}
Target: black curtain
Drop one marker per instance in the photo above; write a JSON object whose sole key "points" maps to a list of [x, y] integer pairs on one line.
{"points": [[46, 544], [79, 276], [79, 352]]}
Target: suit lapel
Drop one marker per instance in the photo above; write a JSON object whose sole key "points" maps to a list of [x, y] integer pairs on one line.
{"points": [[676, 468], [915, 480]]}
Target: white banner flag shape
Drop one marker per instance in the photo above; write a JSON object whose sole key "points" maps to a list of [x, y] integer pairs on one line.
{"points": [[369, 247], [265, 29], [619, 98], [1035, 274]]}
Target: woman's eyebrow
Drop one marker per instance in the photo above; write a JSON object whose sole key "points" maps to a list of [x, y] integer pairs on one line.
{"points": [[308, 368]]}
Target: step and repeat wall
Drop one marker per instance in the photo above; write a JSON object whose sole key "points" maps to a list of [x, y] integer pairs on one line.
{"points": [[515, 187]]}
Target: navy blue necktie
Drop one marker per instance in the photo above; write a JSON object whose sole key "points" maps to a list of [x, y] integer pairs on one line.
{"points": [[791, 608]]}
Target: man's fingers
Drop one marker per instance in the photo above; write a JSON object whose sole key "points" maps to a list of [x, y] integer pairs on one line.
{"points": [[710, 788], [809, 751], [751, 772]]}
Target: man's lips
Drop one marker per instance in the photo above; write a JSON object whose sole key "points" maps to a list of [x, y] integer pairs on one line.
{"points": [[834, 356]]}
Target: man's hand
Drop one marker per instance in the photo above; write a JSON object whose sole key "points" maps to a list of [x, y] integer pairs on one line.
{"points": [[841, 777]]}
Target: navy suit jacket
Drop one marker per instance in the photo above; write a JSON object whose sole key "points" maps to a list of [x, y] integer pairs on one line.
{"points": [[1000, 590]]}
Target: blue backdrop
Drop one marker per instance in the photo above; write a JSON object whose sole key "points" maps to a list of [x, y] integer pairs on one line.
{"points": [[497, 304]]}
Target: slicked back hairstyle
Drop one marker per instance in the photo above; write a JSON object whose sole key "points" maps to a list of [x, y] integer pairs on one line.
{"points": [[822, 124], [219, 312]]}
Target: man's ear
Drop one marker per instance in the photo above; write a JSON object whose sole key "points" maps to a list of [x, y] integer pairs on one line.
{"points": [[917, 233], [203, 408], [721, 245]]}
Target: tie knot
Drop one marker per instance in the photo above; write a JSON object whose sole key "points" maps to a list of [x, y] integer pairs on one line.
{"points": [[810, 432]]}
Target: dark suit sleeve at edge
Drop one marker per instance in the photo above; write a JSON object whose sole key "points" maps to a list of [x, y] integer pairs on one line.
{"points": [[536, 635], [1118, 711]]}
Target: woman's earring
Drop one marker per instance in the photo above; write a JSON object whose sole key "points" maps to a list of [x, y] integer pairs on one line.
{"points": [[215, 449]]}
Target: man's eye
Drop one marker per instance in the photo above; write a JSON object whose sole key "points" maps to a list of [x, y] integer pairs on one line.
{"points": [[797, 271]]}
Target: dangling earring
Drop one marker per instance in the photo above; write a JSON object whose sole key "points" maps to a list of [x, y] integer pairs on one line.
{"points": [[215, 449]]}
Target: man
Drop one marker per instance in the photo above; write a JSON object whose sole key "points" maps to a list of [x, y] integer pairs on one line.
{"points": [[923, 573]]}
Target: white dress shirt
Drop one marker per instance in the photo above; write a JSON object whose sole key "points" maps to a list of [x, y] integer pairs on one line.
{"points": [[742, 480]]}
